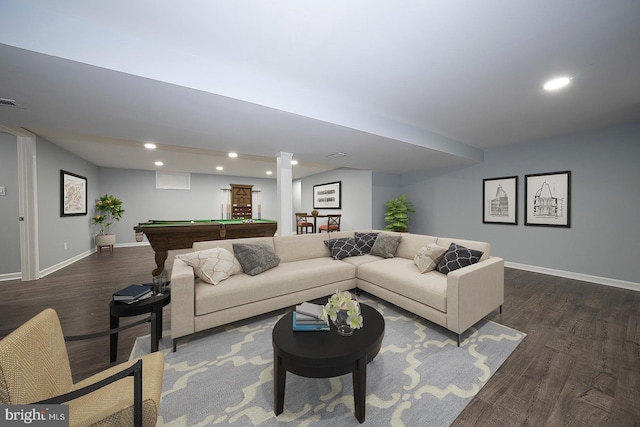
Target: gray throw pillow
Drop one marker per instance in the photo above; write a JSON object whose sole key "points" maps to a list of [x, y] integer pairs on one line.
{"points": [[385, 245], [255, 258], [342, 248], [457, 256], [365, 241]]}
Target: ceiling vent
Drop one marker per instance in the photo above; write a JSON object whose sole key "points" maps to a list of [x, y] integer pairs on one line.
{"points": [[8, 102], [336, 155]]}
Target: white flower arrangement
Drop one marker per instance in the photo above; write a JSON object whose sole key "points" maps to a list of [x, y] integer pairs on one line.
{"points": [[343, 301]]}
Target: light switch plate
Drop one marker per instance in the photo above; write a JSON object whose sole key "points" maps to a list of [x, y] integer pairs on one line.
{"points": [[3, 191]]}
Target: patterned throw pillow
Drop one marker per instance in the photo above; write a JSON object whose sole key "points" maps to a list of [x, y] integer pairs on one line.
{"points": [[386, 245], [428, 257], [255, 258], [457, 256], [342, 248], [365, 241], [212, 265]]}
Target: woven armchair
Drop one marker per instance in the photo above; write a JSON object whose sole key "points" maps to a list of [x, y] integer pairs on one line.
{"points": [[34, 368]]}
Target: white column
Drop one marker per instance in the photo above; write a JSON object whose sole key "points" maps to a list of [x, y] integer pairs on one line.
{"points": [[285, 194]]}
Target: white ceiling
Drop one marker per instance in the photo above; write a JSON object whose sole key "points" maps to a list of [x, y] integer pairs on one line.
{"points": [[398, 86]]}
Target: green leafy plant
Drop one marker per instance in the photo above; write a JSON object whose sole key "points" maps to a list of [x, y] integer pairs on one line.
{"points": [[397, 214], [343, 301], [108, 210]]}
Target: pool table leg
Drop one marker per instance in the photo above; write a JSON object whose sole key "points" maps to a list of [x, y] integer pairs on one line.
{"points": [[161, 257]]}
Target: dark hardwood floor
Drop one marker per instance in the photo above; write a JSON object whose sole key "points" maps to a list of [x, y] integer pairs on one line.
{"points": [[579, 364]]}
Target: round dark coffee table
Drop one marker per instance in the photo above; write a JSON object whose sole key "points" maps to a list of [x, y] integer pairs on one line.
{"points": [[326, 354]]}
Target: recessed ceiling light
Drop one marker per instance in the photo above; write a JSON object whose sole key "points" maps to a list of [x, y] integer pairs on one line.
{"points": [[557, 83], [294, 162], [269, 172], [159, 163], [233, 155], [150, 145], [219, 168]]}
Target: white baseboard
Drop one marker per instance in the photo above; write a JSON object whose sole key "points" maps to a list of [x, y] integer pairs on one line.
{"points": [[70, 261], [577, 276], [10, 276]]}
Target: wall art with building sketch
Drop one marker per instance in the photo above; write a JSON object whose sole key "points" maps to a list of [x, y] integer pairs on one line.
{"points": [[548, 199], [500, 200]]}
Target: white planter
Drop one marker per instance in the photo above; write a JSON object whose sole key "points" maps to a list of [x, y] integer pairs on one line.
{"points": [[105, 240]]}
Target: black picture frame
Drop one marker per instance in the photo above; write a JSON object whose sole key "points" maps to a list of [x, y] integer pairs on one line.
{"points": [[547, 200], [500, 200], [327, 196], [73, 194]]}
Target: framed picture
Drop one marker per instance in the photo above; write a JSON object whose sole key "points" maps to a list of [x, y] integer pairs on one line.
{"points": [[73, 194], [327, 196], [500, 200], [548, 199]]}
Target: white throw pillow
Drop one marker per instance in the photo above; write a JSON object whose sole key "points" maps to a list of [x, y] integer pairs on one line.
{"points": [[212, 265], [428, 257]]}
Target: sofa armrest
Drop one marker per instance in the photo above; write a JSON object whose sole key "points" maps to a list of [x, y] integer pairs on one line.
{"points": [[182, 299], [473, 292]]}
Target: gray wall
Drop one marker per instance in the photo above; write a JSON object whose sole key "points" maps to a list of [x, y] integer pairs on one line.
{"points": [[356, 197], [142, 201], [604, 236], [386, 186], [9, 226], [53, 230]]}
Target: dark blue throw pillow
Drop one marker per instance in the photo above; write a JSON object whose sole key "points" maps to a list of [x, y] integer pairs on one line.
{"points": [[365, 241], [457, 256]]}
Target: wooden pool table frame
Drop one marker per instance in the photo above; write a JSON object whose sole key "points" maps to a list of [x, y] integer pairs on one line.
{"points": [[182, 234]]}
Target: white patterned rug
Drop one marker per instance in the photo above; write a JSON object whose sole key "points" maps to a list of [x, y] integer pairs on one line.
{"points": [[419, 378]]}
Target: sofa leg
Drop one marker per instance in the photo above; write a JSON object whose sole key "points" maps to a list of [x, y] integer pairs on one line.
{"points": [[458, 338], [500, 308], [175, 344]]}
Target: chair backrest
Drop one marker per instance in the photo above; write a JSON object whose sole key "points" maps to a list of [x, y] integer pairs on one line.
{"points": [[301, 217], [334, 220], [34, 364]]}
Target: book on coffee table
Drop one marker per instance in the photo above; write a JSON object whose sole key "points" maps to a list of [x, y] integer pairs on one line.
{"points": [[310, 310], [319, 325]]}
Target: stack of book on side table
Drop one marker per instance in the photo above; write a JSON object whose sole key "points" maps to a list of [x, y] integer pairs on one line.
{"points": [[133, 293], [308, 317]]}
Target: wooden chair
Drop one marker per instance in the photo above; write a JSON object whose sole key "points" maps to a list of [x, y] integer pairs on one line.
{"points": [[35, 369], [333, 224], [302, 223]]}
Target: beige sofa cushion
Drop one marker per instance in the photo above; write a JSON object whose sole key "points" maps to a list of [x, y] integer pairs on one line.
{"points": [[305, 246], [400, 275], [286, 278], [428, 257], [228, 243], [410, 244]]}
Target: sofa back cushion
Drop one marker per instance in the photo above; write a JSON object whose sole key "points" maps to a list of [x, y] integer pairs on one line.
{"points": [[484, 247], [410, 244], [228, 243], [305, 246]]}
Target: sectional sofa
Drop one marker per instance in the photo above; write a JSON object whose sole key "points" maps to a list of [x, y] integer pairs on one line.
{"points": [[305, 270]]}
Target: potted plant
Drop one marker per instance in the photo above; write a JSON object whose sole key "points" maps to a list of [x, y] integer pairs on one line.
{"points": [[108, 209], [397, 214]]}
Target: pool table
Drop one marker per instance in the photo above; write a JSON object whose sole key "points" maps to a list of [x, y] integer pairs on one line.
{"points": [[166, 235]]}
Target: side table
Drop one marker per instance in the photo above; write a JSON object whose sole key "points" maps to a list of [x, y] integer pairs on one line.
{"points": [[152, 305]]}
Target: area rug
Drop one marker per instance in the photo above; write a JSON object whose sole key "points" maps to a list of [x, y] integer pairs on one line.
{"points": [[420, 377]]}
